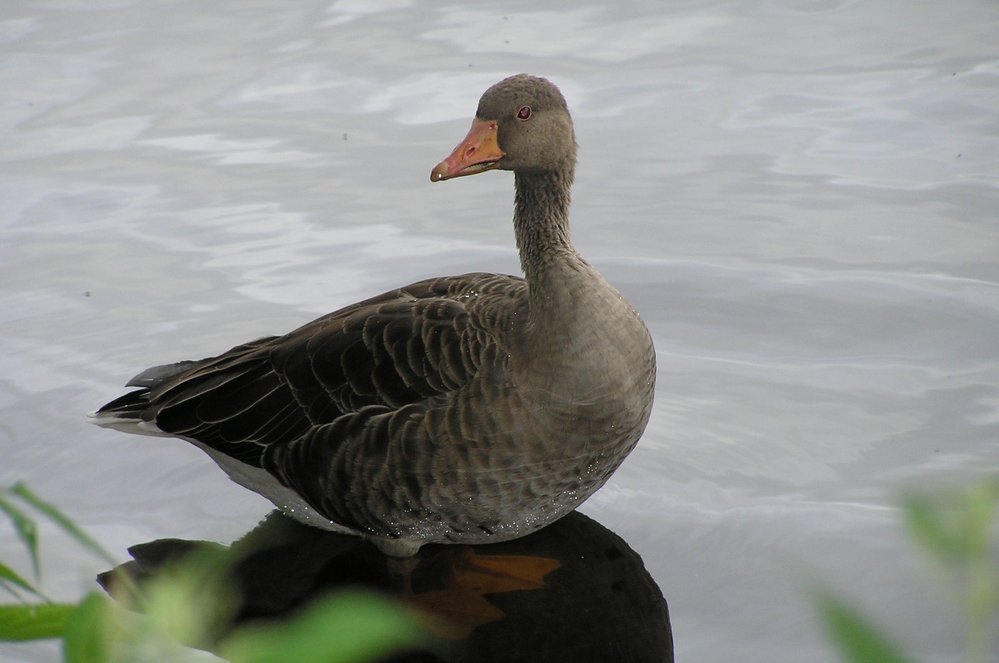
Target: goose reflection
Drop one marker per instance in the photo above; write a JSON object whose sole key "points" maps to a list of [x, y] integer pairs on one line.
{"points": [[573, 591]]}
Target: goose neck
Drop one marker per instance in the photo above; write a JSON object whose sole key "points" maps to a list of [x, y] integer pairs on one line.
{"points": [[541, 221]]}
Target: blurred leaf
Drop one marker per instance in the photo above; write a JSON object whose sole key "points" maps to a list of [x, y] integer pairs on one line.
{"points": [[191, 600], [34, 622], [88, 633], [857, 639], [63, 521], [954, 527], [979, 507], [26, 530], [9, 576], [348, 627], [935, 528]]}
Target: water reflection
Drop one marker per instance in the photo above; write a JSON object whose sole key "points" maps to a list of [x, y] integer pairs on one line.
{"points": [[573, 591]]}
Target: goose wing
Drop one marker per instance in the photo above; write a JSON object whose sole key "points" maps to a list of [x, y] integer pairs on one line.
{"points": [[411, 346]]}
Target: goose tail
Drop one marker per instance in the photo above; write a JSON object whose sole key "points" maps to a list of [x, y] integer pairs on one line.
{"points": [[127, 413]]}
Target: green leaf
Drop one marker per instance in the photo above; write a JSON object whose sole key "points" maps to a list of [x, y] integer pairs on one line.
{"points": [[87, 637], [979, 505], [348, 627], [858, 640], [63, 521], [9, 576], [954, 528], [26, 530], [191, 600], [35, 621], [936, 529]]}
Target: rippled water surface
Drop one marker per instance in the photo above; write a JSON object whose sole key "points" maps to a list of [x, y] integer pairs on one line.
{"points": [[802, 199]]}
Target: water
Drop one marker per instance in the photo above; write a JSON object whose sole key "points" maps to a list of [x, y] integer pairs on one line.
{"points": [[800, 198]]}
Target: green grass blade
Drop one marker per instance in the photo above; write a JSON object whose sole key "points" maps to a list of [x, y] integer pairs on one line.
{"points": [[63, 521], [9, 577], [857, 639], [26, 530], [34, 622]]}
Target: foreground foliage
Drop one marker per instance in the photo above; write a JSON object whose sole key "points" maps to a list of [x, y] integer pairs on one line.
{"points": [[184, 608], [955, 530]]}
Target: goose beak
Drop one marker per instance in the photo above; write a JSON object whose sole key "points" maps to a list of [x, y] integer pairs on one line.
{"points": [[477, 153]]}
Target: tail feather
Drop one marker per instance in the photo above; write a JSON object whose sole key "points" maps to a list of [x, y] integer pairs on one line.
{"points": [[156, 375], [125, 414], [167, 386]]}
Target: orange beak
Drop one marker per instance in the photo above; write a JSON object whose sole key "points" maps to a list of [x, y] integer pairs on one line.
{"points": [[477, 153]]}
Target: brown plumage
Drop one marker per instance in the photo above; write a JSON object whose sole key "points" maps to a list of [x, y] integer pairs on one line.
{"points": [[468, 408]]}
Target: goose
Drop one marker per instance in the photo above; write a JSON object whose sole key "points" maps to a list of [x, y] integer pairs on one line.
{"points": [[462, 409]]}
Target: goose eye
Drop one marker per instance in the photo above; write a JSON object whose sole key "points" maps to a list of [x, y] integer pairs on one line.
{"points": [[524, 113]]}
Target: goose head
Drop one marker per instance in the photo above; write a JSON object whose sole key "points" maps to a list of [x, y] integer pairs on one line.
{"points": [[522, 124]]}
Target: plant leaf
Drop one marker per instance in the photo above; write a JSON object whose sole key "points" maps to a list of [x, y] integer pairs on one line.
{"points": [[9, 576], [35, 621], [86, 636], [26, 530], [979, 507], [347, 627], [193, 599], [954, 528], [934, 528], [63, 521], [858, 640]]}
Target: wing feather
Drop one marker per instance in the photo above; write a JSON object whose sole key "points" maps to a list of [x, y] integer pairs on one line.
{"points": [[398, 353]]}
